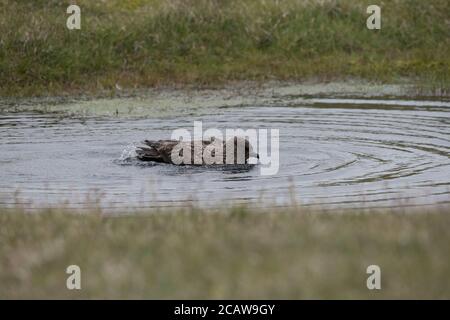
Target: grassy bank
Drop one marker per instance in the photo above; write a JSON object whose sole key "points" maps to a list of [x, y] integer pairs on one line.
{"points": [[146, 43], [237, 253]]}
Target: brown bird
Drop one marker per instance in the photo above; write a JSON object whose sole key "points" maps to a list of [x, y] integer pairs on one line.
{"points": [[203, 152]]}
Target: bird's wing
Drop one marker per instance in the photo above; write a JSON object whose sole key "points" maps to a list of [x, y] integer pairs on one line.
{"points": [[156, 150]]}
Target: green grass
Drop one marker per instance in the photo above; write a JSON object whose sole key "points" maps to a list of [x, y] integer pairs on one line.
{"points": [[147, 43], [229, 253]]}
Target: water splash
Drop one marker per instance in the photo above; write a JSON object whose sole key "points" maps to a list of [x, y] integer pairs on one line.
{"points": [[128, 154]]}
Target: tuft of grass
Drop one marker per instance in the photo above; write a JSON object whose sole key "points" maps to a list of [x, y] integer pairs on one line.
{"points": [[236, 253], [145, 43]]}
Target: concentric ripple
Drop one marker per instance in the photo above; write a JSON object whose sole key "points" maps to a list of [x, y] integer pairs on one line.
{"points": [[333, 153]]}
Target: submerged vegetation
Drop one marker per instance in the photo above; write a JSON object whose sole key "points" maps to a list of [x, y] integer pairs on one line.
{"points": [[145, 43], [227, 253]]}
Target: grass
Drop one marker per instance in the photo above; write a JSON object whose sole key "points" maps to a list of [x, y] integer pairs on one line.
{"points": [[233, 253], [148, 43]]}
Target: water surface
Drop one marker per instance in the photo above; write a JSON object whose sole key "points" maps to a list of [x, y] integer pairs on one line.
{"points": [[333, 152]]}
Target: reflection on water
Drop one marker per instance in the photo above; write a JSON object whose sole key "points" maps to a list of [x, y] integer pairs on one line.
{"points": [[332, 152]]}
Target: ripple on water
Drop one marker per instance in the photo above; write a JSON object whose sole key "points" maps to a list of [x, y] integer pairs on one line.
{"points": [[333, 152]]}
